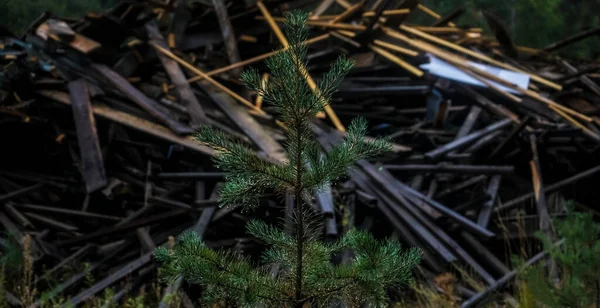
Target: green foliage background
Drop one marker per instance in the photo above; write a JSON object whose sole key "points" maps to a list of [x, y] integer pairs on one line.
{"points": [[532, 23], [18, 14]]}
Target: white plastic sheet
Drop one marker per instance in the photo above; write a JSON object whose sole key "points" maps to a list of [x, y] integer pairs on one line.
{"points": [[443, 69]]}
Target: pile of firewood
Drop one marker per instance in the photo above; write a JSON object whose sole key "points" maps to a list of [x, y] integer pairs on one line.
{"points": [[99, 163]]}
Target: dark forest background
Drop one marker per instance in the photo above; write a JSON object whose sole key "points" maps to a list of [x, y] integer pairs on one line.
{"points": [[532, 23]]}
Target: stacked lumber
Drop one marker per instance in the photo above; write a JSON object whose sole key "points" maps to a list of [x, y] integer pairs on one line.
{"points": [[99, 163]]}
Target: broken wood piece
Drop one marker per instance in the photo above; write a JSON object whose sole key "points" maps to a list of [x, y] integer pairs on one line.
{"points": [[60, 31], [348, 12], [448, 168], [571, 39], [255, 59], [582, 77], [551, 188], [228, 34], [122, 227], [458, 186], [209, 79], [480, 297], [92, 162], [396, 48], [486, 211], [466, 140], [576, 124], [141, 100], [188, 99], [395, 59], [387, 12], [112, 278], [84, 214], [246, 123], [135, 123], [545, 223], [403, 221], [20, 192], [454, 14], [486, 255], [431, 13], [465, 222], [323, 6]]}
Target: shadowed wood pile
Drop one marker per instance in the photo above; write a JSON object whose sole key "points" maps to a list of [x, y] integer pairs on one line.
{"points": [[99, 163]]}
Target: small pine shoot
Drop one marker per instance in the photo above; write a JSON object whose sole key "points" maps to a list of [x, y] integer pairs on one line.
{"points": [[307, 276]]}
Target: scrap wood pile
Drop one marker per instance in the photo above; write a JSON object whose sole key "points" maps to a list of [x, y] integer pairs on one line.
{"points": [[99, 163]]}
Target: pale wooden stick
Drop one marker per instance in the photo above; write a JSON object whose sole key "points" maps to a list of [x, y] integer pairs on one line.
{"points": [[259, 97], [347, 12], [368, 14], [387, 13], [347, 33], [447, 29], [573, 122], [343, 3], [325, 4], [256, 59], [413, 70], [393, 47], [431, 13], [208, 78]]}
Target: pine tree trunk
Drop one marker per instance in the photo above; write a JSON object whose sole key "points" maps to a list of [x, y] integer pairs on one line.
{"points": [[300, 247], [300, 218]]}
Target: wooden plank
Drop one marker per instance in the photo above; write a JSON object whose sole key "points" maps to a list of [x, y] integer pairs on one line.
{"points": [[545, 223], [319, 10], [134, 122], [123, 227], [245, 122], [150, 106], [383, 177], [92, 167], [447, 168], [217, 84], [228, 34], [466, 140], [184, 91], [583, 78], [112, 278], [486, 211], [179, 24], [478, 299], [200, 228], [20, 192], [403, 221], [571, 39], [551, 188]]}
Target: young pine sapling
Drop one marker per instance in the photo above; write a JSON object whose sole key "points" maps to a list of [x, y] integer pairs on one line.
{"points": [[307, 276]]}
